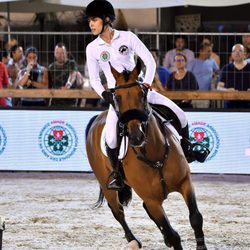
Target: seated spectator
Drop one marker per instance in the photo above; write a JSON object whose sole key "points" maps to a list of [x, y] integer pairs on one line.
{"points": [[180, 44], [207, 41], [4, 81], [63, 74], [181, 79], [162, 72], [157, 84], [203, 68], [236, 76], [33, 76]]}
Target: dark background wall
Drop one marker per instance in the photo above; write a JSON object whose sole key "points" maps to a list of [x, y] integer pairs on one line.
{"points": [[234, 18]]}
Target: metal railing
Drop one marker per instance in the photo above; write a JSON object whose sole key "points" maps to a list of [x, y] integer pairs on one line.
{"points": [[76, 43]]}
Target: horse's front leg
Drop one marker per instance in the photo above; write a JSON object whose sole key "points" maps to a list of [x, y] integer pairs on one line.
{"points": [[118, 212], [157, 214], [195, 217]]}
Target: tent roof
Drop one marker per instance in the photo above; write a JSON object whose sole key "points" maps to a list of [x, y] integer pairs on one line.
{"points": [[141, 4], [64, 5]]}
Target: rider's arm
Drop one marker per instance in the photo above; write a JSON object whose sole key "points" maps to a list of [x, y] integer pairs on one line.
{"points": [[93, 69], [141, 50]]}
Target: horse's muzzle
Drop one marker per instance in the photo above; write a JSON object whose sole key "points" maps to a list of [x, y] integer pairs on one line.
{"points": [[136, 137]]}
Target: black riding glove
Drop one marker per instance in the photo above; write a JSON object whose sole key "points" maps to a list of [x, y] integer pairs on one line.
{"points": [[108, 97]]}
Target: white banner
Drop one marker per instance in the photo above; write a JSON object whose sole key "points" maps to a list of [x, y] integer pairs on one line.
{"points": [[46, 140]]}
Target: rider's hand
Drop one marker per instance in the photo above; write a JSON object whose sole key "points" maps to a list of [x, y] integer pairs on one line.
{"points": [[147, 85], [108, 97]]}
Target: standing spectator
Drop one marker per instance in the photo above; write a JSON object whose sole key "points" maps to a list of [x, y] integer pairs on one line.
{"points": [[246, 44], [181, 79], [4, 82], [236, 76], [180, 44], [63, 74], [15, 64], [162, 72], [5, 57], [207, 42], [203, 68], [33, 76]]}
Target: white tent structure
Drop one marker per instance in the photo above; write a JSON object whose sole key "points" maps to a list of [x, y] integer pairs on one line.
{"points": [[142, 4], [63, 5]]}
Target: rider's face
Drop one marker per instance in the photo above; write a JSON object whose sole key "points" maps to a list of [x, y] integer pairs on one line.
{"points": [[95, 24]]}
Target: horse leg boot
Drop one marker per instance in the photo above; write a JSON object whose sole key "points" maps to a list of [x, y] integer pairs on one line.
{"points": [[188, 148], [115, 181]]}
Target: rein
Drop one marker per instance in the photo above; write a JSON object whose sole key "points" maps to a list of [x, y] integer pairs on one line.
{"points": [[143, 116], [142, 156]]}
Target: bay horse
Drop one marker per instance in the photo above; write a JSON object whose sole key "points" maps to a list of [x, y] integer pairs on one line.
{"points": [[154, 164]]}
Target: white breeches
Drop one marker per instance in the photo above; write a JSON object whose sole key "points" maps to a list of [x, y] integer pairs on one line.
{"points": [[152, 97]]}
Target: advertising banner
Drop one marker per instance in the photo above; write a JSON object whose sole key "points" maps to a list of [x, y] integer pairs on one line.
{"points": [[49, 140]]}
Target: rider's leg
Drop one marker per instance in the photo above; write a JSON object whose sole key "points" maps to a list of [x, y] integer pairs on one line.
{"points": [[156, 98], [115, 180]]}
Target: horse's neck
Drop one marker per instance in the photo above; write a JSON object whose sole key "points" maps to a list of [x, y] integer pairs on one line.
{"points": [[156, 139]]}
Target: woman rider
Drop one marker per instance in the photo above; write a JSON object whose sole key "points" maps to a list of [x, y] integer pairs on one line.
{"points": [[119, 48]]}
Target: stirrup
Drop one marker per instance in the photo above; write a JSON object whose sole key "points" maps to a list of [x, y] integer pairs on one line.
{"points": [[116, 182]]}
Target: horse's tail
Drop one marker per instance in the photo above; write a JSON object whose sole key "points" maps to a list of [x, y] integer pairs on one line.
{"points": [[100, 200], [125, 196], [89, 125]]}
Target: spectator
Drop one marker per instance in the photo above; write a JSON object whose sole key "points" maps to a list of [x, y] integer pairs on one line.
{"points": [[180, 44], [207, 41], [236, 76], [203, 68], [5, 57], [181, 79], [63, 74], [4, 82], [33, 76], [15, 64], [162, 72], [246, 44]]}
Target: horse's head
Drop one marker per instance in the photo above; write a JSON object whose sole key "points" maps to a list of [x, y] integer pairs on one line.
{"points": [[130, 98]]}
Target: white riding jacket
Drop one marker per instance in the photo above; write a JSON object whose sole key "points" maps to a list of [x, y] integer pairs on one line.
{"points": [[121, 55]]}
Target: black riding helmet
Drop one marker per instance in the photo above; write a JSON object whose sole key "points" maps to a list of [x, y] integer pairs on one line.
{"points": [[102, 9]]}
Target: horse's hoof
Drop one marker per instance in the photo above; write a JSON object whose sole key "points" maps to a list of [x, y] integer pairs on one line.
{"points": [[133, 245]]}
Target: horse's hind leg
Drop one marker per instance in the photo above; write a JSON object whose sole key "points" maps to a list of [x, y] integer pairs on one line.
{"points": [[118, 212], [157, 214], [195, 216]]}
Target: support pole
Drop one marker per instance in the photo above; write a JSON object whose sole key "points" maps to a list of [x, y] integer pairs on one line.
{"points": [[2, 228]]}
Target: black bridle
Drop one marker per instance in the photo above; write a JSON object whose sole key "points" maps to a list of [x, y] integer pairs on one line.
{"points": [[139, 114]]}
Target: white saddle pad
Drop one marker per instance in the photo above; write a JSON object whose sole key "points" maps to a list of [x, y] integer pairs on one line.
{"points": [[124, 143], [123, 147]]}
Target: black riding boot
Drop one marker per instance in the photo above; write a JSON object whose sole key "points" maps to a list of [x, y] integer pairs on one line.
{"points": [[193, 152], [115, 180]]}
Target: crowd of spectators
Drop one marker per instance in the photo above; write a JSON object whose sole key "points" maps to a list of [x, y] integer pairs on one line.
{"points": [[178, 69], [21, 70]]}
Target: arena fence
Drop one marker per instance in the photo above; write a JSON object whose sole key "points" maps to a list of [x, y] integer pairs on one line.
{"points": [[76, 43]]}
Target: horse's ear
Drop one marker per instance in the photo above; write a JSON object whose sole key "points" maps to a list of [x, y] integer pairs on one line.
{"points": [[115, 73], [138, 65]]}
